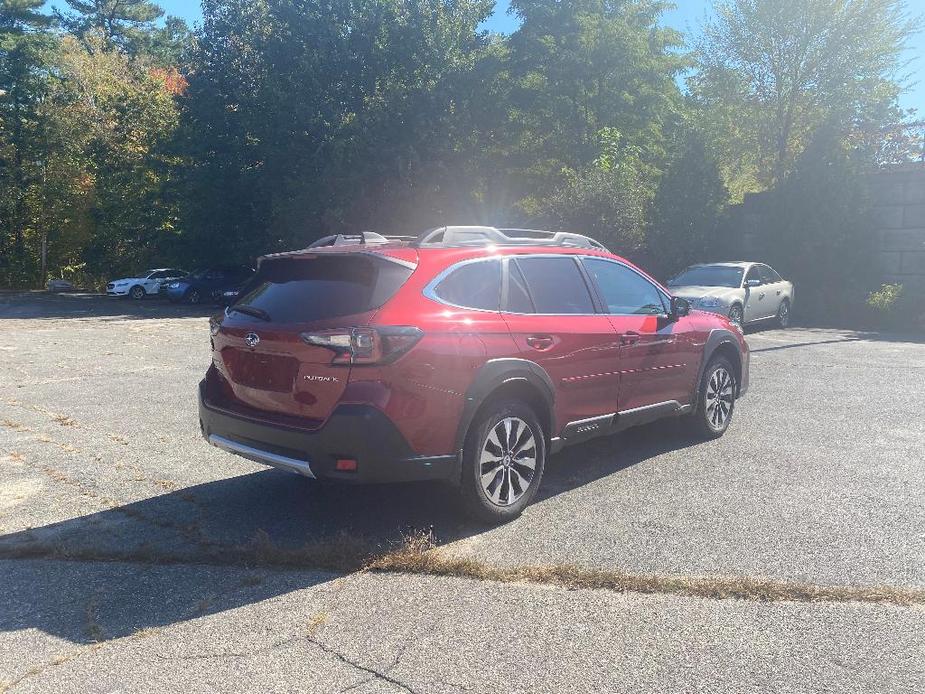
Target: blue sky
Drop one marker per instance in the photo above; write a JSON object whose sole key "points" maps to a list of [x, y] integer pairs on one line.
{"points": [[687, 17]]}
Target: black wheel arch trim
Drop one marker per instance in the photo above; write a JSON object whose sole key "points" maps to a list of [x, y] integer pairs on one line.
{"points": [[496, 373], [717, 338]]}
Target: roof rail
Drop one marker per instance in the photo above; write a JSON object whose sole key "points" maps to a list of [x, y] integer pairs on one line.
{"points": [[481, 236], [363, 238]]}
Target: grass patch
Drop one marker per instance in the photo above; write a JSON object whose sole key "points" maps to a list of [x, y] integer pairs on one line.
{"points": [[419, 555]]}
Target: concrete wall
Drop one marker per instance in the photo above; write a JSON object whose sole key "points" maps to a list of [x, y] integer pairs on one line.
{"points": [[898, 196], [899, 214]]}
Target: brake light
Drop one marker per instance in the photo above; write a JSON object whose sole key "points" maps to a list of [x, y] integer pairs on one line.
{"points": [[365, 345]]}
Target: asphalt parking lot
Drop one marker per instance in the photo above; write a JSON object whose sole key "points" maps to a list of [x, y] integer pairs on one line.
{"points": [[116, 520]]}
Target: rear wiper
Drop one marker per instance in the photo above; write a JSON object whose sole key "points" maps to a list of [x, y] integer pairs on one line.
{"points": [[250, 311]]}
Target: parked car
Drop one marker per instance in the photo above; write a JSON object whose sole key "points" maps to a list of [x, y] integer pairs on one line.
{"points": [[207, 285], [58, 285], [744, 292], [147, 283], [467, 355]]}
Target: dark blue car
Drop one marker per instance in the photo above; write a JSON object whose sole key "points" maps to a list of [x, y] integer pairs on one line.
{"points": [[206, 285]]}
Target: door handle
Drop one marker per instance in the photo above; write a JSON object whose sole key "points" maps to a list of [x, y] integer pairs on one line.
{"points": [[540, 342], [630, 338]]}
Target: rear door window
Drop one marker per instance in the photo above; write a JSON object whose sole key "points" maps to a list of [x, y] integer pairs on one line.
{"points": [[768, 276], [556, 285], [472, 285], [301, 290]]}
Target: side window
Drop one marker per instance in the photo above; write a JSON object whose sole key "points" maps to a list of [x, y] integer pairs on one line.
{"points": [[768, 276], [473, 285], [624, 291], [158, 275], [518, 298], [556, 285], [753, 273]]}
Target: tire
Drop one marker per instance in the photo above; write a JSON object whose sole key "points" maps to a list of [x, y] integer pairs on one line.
{"points": [[783, 314], [735, 314], [193, 296], [712, 415], [502, 497], [137, 292]]}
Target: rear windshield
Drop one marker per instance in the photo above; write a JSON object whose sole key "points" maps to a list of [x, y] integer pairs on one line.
{"points": [[298, 290]]}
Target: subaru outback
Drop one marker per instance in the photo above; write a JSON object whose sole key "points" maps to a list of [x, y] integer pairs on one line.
{"points": [[468, 354]]}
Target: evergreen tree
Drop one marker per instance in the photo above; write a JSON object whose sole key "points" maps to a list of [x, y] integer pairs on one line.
{"points": [[25, 48], [122, 23]]}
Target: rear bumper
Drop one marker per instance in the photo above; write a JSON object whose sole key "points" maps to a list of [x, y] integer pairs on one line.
{"points": [[359, 432]]}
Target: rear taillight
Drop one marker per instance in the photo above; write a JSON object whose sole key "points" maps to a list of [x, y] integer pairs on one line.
{"points": [[365, 345]]}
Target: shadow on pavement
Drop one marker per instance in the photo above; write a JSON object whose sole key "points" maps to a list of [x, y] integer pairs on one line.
{"points": [[234, 521]]}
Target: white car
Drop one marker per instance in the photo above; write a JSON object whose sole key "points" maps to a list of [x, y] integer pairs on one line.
{"points": [[149, 282], [745, 292]]}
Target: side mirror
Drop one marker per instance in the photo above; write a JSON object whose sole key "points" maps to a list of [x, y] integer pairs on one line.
{"points": [[679, 307], [752, 283]]}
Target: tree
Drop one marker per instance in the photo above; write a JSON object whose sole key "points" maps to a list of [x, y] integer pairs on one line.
{"points": [[110, 122], [687, 214], [168, 46], [770, 73], [24, 51], [122, 23], [607, 200], [306, 119], [580, 67]]}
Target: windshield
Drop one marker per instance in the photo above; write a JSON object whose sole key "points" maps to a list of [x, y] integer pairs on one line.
{"points": [[297, 290], [708, 276]]}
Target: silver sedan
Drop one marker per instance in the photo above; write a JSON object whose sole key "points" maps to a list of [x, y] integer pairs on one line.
{"points": [[745, 292]]}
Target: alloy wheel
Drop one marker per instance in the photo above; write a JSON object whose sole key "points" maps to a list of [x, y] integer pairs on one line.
{"points": [[720, 396], [507, 463], [783, 314]]}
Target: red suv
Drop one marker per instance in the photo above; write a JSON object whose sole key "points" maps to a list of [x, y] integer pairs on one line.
{"points": [[468, 355]]}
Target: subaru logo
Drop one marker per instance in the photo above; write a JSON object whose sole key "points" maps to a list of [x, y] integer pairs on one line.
{"points": [[251, 339]]}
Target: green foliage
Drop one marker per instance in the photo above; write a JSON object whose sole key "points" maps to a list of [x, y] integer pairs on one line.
{"points": [[885, 299], [688, 211], [25, 50], [578, 68], [327, 118], [607, 199], [122, 23], [819, 227], [770, 73], [113, 118]]}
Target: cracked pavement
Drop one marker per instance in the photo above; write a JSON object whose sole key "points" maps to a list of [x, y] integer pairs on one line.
{"points": [[819, 480]]}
